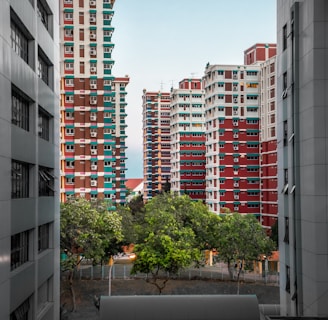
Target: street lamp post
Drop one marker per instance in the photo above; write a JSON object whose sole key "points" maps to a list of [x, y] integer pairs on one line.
{"points": [[111, 263]]}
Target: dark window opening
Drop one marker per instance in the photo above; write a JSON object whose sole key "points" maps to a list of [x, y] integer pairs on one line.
{"points": [[20, 109], [19, 249], [19, 179]]}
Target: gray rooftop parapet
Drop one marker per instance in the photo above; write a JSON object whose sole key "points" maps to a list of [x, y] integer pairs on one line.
{"points": [[180, 307]]}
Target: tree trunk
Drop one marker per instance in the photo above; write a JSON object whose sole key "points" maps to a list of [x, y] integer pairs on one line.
{"points": [[238, 275], [230, 270], [70, 279]]}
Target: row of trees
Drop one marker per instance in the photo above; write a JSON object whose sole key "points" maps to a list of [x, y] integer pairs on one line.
{"points": [[169, 232]]}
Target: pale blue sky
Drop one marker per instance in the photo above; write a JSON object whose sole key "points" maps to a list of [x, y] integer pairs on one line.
{"points": [[160, 42]]}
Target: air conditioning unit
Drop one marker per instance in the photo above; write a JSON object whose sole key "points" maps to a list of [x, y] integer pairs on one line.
{"points": [[93, 52], [235, 113], [93, 134], [93, 152], [236, 208], [235, 100], [235, 147], [92, 3], [93, 36], [235, 88], [93, 69], [92, 19], [93, 118], [235, 124], [93, 101], [235, 159], [236, 196], [93, 167], [93, 86], [93, 183], [236, 184], [235, 135]]}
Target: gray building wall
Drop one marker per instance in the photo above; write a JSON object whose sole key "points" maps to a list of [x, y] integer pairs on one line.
{"points": [[36, 280], [303, 156]]}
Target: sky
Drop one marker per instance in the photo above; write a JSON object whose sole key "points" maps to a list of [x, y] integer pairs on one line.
{"points": [[160, 42]]}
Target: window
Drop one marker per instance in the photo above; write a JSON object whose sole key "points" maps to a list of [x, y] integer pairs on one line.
{"points": [[69, 115], [69, 99], [44, 13], [69, 66], [286, 237], [43, 67], [287, 288], [284, 37], [69, 49], [21, 312], [69, 148], [70, 164], [46, 182], [69, 33], [70, 180], [69, 82], [45, 294], [19, 179], [20, 110], [44, 124], [43, 237], [68, 16], [285, 83], [107, 16], [19, 249], [19, 40]]}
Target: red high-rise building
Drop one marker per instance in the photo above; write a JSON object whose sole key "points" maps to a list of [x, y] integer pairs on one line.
{"points": [[188, 139]]}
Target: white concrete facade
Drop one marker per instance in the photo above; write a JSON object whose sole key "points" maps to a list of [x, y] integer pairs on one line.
{"points": [[29, 159], [302, 76]]}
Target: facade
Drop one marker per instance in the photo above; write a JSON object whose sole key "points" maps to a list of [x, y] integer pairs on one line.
{"points": [[259, 52], [264, 55], [268, 143], [156, 142], [29, 157], [188, 139], [232, 138], [92, 104], [302, 156]]}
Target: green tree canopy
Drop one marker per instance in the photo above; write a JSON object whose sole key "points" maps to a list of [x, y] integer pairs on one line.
{"points": [[86, 231], [241, 238], [174, 232]]}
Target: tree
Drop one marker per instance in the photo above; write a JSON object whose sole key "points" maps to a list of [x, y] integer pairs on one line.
{"points": [[274, 234], [86, 231], [241, 238], [172, 237]]}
